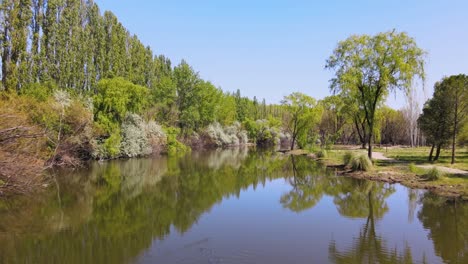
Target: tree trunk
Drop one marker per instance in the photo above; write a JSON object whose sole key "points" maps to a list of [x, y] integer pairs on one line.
{"points": [[438, 152], [432, 152], [454, 136], [369, 142], [293, 141]]}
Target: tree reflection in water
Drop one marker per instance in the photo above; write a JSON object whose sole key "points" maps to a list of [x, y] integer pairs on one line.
{"points": [[449, 232], [353, 199], [112, 212]]}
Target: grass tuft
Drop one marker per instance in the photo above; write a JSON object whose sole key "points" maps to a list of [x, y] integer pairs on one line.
{"points": [[413, 168], [361, 163], [357, 162], [322, 154], [347, 158], [434, 174]]}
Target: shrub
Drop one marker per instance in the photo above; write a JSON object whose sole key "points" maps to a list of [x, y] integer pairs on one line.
{"points": [[216, 135], [134, 139], [107, 148], [40, 92], [157, 139], [434, 174], [266, 135], [174, 146], [243, 137], [230, 135]]}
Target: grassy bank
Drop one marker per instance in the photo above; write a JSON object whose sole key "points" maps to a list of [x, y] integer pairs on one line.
{"points": [[420, 156], [405, 166]]}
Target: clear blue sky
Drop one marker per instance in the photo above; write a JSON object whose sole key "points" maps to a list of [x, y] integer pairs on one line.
{"points": [[271, 48]]}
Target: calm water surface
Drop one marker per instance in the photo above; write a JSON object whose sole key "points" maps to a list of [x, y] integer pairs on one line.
{"points": [[231, 206]]}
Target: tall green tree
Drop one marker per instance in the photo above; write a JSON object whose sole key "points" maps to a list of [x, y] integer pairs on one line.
{"points": [[188, 94], [457, 88], [16, 16], [446, 113], [435, 120], [302, 114], [369, 67]]}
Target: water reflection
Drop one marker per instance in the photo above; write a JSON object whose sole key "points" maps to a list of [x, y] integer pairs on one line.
{"points": [[448, 227], [113, 212], [364, 199]]}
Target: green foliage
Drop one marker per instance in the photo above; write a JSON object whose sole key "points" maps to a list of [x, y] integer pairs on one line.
{"points": [[109, 147], [446, 114], [225, 113], [263, 132], [303, 114], [174, 146], [114, 98], [40, 92], [412, 167], [164, 97]]}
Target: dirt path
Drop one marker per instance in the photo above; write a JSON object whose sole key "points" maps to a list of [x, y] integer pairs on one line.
{"points": [[380, 156]]}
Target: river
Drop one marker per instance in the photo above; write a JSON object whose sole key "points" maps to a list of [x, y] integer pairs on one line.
{"points": [[228, 206]]}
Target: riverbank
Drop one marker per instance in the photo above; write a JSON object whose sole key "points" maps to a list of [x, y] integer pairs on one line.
{"points": [[453, 185]]}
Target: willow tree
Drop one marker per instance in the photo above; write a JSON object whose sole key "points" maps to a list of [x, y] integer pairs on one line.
{"points": [[369, 67]]}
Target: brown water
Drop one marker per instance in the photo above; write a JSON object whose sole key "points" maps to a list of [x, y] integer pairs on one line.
{"points": [[232, 206]]}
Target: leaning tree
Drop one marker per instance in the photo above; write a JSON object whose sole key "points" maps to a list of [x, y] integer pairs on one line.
{"points": [[367, 68]]}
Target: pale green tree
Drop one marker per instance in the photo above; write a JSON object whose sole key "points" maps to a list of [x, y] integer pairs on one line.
{"points": [[369, 67], [302, 113]]}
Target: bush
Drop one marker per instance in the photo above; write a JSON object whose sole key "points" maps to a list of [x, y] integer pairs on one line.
{"points": [[107, 148], [40, 92], [434, 174], [412, 167], [157, 139], [229, 136], [134, 140], [174, 146], [263, 132]]}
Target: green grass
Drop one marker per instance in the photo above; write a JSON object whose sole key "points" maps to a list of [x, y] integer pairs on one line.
{"points": [[419, 156]]}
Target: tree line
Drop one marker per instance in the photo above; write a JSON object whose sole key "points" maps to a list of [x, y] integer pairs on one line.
{"points": [[48, 46]]}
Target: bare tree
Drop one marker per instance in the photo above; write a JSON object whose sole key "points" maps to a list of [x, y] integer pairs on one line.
{"points": [[411, 112]]}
